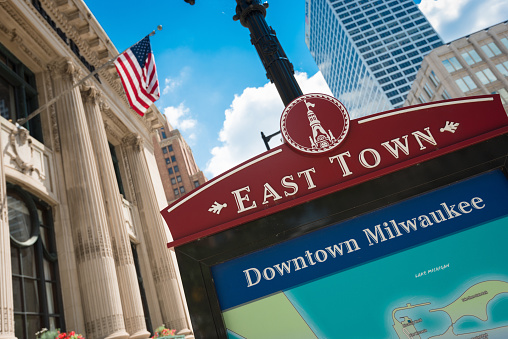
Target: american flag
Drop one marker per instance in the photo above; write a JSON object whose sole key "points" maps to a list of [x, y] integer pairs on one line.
{"points": [[136, 68]]}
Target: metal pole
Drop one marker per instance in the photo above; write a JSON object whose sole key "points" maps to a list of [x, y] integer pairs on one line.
{"points": [[267, 138], [279, 70], [23, 121]]}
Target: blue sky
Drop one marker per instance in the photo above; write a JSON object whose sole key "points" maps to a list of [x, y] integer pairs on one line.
{"points": [[214, 88]]}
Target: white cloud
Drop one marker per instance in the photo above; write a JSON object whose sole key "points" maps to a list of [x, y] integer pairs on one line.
{"points": [[454, 19], [314, 84], [170, 84], [179, 117], [356, 103], [256, 110]]}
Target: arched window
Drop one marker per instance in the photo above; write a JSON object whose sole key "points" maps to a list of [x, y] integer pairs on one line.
{"points": [[35, 281]]}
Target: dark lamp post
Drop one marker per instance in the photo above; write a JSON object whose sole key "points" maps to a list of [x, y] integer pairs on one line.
{"points": [[279, 70]]}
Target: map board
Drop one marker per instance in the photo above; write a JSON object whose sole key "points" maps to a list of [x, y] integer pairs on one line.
{"points": [[433, 266], [399, 232]]}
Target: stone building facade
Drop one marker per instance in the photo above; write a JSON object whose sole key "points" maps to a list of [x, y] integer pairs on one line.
{"points": [[476, 64], [178, 170], [82, 242]]}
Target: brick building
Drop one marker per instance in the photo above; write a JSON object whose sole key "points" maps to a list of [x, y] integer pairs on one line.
{"points": [[178, 169]]}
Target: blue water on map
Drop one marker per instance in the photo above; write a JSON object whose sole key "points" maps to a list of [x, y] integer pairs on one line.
{"points": [[497, 311], [358, 303]]}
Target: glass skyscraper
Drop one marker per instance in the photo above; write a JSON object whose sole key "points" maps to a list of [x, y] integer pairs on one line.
{"points": [[369, 51]]}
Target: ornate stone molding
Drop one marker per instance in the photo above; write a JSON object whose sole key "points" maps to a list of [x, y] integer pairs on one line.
{"points": [[14, 37], [104, 107], [27, 28], [121, 254], [133, 140], [110, 130], [116, 123], [21, 152], [90, 246], [3, 28], [90, 93], [73, 33], [21, 146], [164, 273], [52, 112], [147, 118], [129, 177], [64, 68]]}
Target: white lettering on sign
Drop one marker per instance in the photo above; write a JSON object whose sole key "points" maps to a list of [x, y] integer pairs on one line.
{"points": [[307, 176], [271, 194], [289, 184], [374, 154], [427, 137], [254, 276], [446, 212], [342, 163], [240, 199], [374, 235], [394, 150], [369, 158]]}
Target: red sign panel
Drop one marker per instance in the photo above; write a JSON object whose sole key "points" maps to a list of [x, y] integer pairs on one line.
{"points": [[375, 145]]}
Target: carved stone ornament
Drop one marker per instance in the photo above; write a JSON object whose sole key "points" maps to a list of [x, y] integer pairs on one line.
{"points": [[132, 196], [114, 126], [64, 68], [104, 106], [133, 140], [21, 151], [90, 93]]}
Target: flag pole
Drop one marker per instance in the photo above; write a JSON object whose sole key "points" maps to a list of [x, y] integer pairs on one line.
{"points": [[21, 122]]}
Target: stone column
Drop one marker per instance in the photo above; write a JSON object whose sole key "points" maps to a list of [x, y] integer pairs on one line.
{"points": [[6, 301], [98, 282], [122, 253], [163, 268]]}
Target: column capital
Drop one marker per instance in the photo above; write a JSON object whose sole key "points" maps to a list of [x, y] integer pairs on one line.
{"points": [[64, 68], [90, 93], [133, 140]]}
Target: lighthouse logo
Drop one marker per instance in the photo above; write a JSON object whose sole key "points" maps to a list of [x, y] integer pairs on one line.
{"points": [[314, 123]]}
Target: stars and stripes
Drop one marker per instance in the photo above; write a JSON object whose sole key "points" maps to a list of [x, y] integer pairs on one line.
{"points": [[136, 68]]}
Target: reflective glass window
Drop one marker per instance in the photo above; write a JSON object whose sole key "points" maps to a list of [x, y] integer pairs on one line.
{"points": [[36, 288]]}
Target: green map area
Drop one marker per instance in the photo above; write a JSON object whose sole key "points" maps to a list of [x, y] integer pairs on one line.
{"points": [[473, 302], [274, 315]]}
